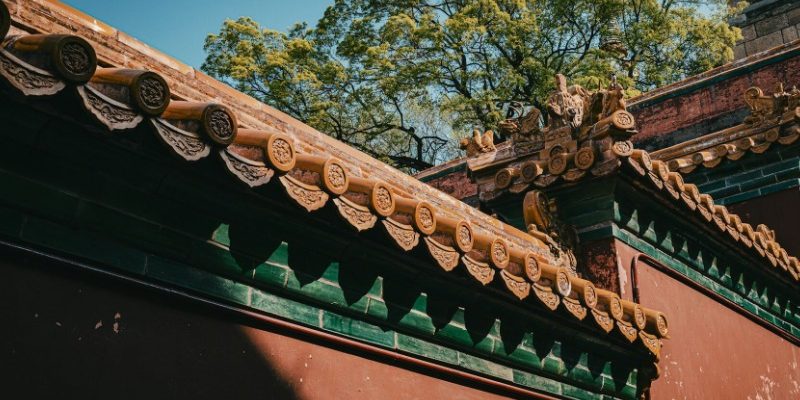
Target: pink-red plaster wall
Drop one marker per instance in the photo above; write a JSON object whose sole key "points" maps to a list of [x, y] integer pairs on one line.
{"points": [[714, 352]]}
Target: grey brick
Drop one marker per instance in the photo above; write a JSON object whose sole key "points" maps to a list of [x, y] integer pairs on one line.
{"points": [[764, 43], [793, 16], [769, 25], [749, 33], [739, 51], [789, 34]]}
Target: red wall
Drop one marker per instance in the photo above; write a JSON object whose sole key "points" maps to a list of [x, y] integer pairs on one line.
{"points": [[65, 336], [713, 352], [778, 211]]}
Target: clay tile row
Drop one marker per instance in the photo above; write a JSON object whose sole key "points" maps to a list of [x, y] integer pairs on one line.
{"points": [[42, 66], [773, 119], [761, 240]]}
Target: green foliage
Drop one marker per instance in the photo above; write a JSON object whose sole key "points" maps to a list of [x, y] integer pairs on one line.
{"points": [[383, 75]]}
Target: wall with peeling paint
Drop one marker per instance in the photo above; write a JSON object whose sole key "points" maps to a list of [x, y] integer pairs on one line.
{"points": [[714, 352]]}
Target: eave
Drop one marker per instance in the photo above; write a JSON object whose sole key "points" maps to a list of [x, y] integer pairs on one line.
{"points": [[259, 146]]}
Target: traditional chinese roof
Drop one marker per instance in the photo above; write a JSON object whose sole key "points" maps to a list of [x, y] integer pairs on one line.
{"points": [[585, 136], [600, 146], [760, 240], [50, 58], [773, 119]]}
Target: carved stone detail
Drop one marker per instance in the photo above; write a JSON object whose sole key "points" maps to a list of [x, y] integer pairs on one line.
{"points": [[358, 216], [404, 235], [426, 220], [575, 308], [546, 295], [764, 108], [516, 284], [499, 253], [382, 200], [543, 225], [253, 173], [589, 295], [75, 59], [628, 331], [639, 318], [220, 124], [152, 92], [464, 237], [479, 270], [445, 256], [186, 144], [111, 113], [530, 171], [532, 269], [604, 321], [661, 325], [282, 150], [584, 158], [615, 308], [586, 132], [563, 285], [622, 148], [334, 177], [29, 80], [652, 343], [309, 197], [479, 143]]}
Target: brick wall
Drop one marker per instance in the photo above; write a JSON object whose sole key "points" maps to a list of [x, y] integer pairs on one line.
{"points": [[711, 102], [458, 185], [766, 24]]}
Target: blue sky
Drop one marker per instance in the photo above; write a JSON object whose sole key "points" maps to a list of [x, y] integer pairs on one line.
{"points": [[178, 27]]}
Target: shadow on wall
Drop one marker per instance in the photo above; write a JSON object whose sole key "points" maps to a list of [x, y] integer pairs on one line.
{"points": [[455, 314], [70, 339]]}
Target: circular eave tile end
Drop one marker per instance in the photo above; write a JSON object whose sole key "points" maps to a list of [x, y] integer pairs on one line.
{"points": [[74, 59], [219, 124], [150, 93], [280, 152], [425, 218], [383, 201], [464, 236], [334, 177]]}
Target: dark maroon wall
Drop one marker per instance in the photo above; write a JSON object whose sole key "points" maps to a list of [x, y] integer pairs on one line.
{"points": [[779, 211], [67, 336]]}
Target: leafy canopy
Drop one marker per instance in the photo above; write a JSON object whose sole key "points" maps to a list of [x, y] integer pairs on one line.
{"points": [[396, 78]]}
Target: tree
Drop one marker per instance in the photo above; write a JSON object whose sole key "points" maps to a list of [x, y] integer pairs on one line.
{"points": [[377, 74]]}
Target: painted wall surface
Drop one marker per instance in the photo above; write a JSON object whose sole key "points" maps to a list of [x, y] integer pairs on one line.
{"points": [[79, 336], [713, 352], [778, 211]]}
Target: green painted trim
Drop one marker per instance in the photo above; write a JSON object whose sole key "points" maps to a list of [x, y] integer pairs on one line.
{"points": [[754, 194], [643, 222], [725, 289], [146, 215], [65, 222], [216, 287]]}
